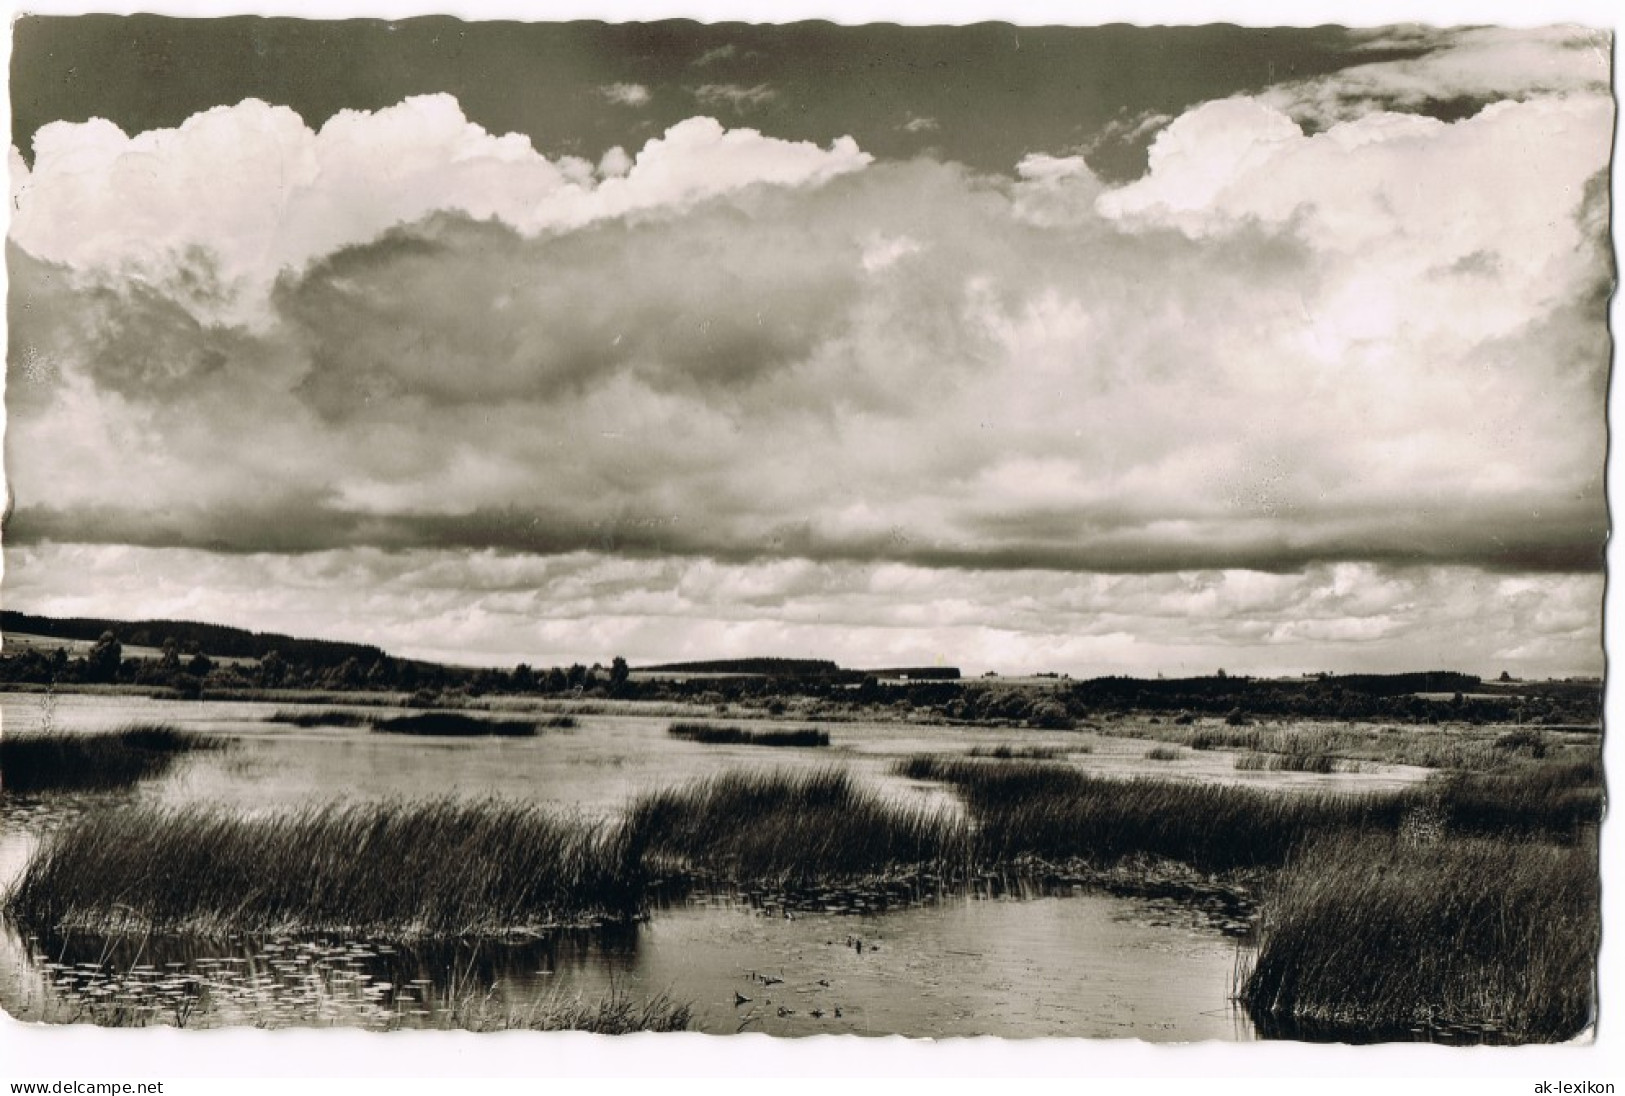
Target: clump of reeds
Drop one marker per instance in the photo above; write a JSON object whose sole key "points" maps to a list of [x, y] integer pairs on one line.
{"points": [[1162, 753], [784, 828], [1209, 738], [457, 725], [330, 717], [714, 735], [1288, 762], [1376, 934], [1023, 753], [44, 761], [1556, 800], [1056, 812], [439, 868]]}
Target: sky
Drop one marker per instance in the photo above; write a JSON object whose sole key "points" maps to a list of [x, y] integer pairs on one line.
{"points": [[1090, 350]]}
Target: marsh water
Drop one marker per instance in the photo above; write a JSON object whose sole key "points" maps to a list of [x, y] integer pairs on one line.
{"points": [[1004, 961]]}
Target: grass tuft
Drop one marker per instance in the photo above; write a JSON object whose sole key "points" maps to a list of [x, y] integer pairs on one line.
{"points": [[1293, 762], [712, 735], [457, 725], [330, 717], [1023, 753]]}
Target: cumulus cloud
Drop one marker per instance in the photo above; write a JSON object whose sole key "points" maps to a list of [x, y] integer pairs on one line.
{"points": [[249, 191], [1466, 67], [502, 608], [1294, 376], [626, 95]]}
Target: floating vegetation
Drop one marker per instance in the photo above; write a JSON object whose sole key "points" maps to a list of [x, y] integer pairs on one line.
{"points": [[713, 735], [319, 982], [45, 761]]}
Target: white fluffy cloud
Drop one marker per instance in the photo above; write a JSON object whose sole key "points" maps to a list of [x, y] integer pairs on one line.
{"points": [[888, 405], [1464, 65], [496, 608], [249, 191]]}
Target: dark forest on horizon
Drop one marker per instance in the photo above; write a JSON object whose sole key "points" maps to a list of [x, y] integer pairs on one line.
{"points": [[196, 661]]}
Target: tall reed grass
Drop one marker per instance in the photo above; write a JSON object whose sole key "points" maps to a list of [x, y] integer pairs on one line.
{"points": [[1295, 763], [442, 868], [1057, 812], [46, 761], [784, 829], [1374, 934]]}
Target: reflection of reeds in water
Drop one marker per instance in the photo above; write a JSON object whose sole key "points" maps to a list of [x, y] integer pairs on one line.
{"points": [[284, 982], [42, 761], [713, 735]]}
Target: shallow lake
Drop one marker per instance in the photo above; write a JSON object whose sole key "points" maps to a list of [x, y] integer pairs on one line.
{"points": [[1079, 963]]}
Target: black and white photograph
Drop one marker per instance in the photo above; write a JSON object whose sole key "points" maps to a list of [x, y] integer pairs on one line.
{"points": [[1090, 535]]}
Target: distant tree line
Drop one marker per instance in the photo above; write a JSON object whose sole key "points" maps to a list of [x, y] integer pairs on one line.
{"points": [[185, 665]]}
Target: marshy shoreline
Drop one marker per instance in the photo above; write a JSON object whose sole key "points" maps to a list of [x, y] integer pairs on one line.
{"points": [[1362, 914]]}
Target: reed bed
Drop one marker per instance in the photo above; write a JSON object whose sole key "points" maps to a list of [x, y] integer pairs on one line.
{"points": [[1056, 812], [1554, 800], [441, 868], [458, 725], [1466, 749], [1295, 763], [49, 761], [1162, 753], [1024, 753], [1377, 935], [330, 717], [783, 829], [712, 735]]}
